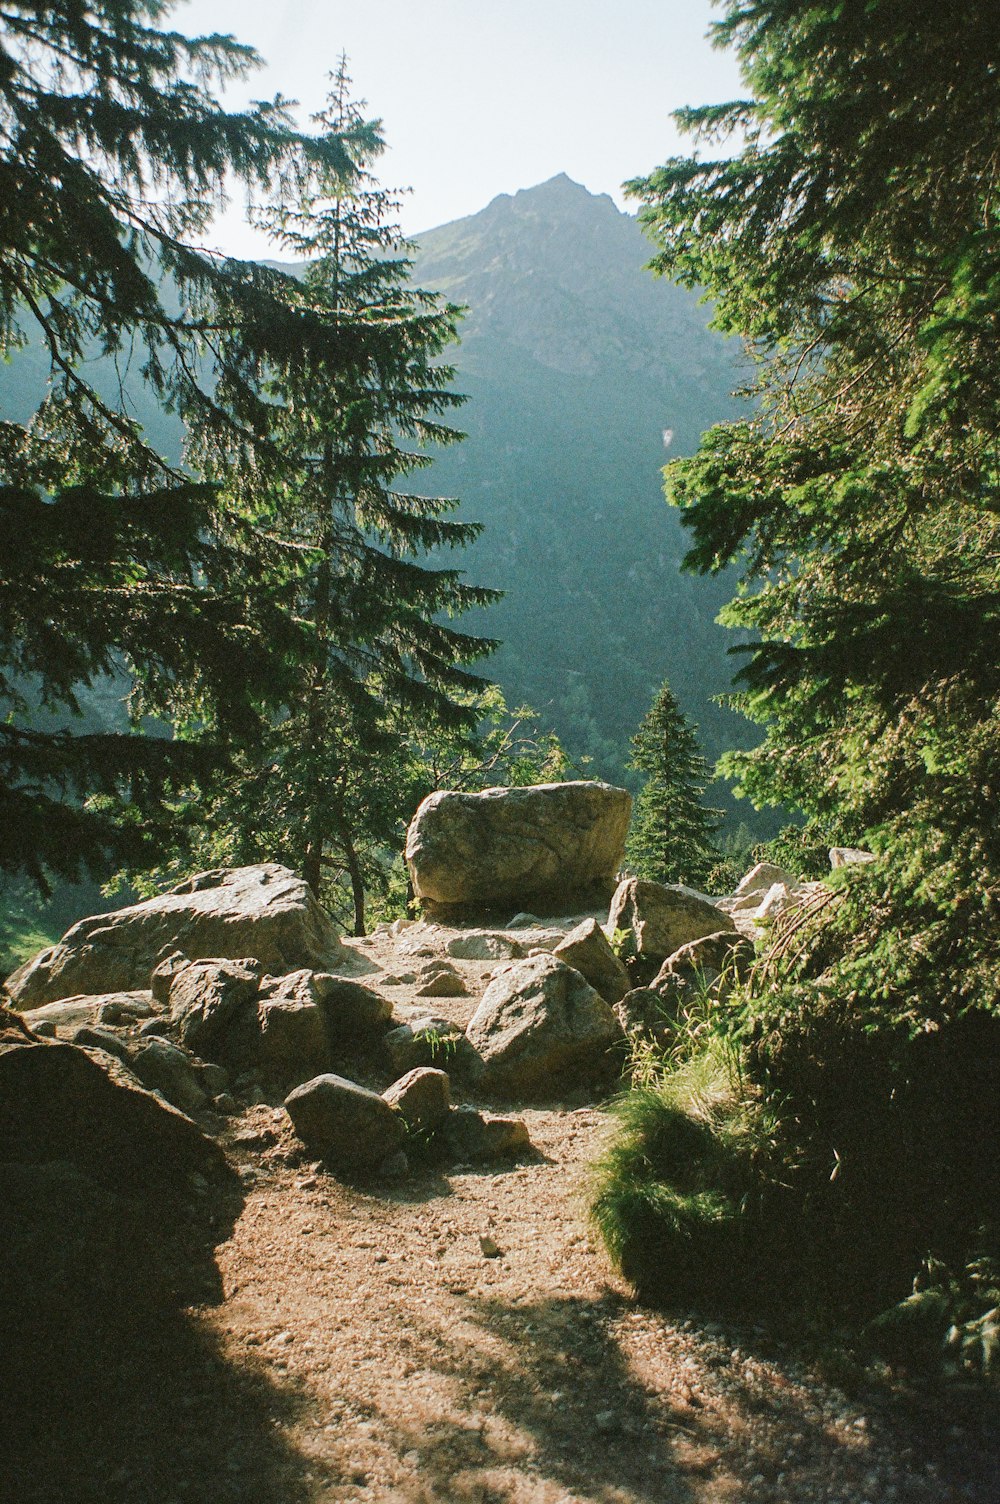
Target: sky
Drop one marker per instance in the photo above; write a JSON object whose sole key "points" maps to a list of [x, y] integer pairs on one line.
{"points": [[481, 97]]}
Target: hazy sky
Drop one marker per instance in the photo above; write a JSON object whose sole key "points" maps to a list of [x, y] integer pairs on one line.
{"points": [[480, 97]]}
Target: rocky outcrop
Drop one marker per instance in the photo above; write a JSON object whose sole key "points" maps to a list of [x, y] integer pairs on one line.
{"points": [[658, 919], [540, 1029], [60, 1103], [587, 949], [347, 1125], [265, 912], [514, 844]]}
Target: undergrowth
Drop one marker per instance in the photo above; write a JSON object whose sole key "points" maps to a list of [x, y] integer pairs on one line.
{"points": [[820, 1147]]}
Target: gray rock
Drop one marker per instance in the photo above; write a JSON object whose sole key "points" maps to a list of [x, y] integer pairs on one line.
{"points": [[524, 921], [163, 973], [589, 952], [163, 1067], [541, 1028], [206, 999], [352, 1011], [422, 1096], [45, 1029], [61, 1103], [441, 980], [264, 911], [226, 1104], [101, 1039], [846, 856], [645, 1014], [760, 878], [293, 1042], [506, 844], [427, 1041], [213, 1078], [344, 1123], [155, 1026], [484, 945], [660, 918], [710, 961], [473, 1136], [74, 1012]]}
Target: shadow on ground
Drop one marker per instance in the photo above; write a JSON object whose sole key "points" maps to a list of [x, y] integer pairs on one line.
{"points": [[110, 1391]]}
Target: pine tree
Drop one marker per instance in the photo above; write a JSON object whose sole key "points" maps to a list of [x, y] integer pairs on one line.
{"points": [[671, 836], [384, 661], [851, 238], [113, 155]]}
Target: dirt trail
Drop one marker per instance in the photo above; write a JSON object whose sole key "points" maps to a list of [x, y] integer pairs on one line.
{"points": [[413, 1367], [453, 1337]]}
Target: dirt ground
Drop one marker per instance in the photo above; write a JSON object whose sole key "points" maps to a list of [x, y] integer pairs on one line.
{"points": [[455, 1335]]}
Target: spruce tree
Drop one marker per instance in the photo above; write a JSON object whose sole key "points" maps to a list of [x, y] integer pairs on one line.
{"points": [[385, 661], [113, 155], [851, 238], [670, 840]]}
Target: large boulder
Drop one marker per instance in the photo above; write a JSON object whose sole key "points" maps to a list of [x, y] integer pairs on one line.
{"points": [[505, 845], [58, 1102], [542, 1028], [344, 1123], [659, 918], [265, 911], [589, 952]]}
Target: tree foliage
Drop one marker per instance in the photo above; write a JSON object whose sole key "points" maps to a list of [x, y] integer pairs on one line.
{"points": [[670, 840], [852, 237], [114, 153], [332, 778]]}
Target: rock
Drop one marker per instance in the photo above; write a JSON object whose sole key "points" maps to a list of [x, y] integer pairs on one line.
{"points": [[163, 973], [524, 921], [422, 1096], [489, 1247], [660, 918], [760, 878], [59, 1103], [352, 1010], [75, 1012], [643, 1013], [589, 952], [775, 901], [713, 961], [264, 911], [846, 856], [163, 1067], [541, 1028], [226, 1104], [155, 1026], [441, 980], [344, 1123], [293, 1042], [100, 1039], [206, 998], [124, 1008], [476, 1136], [213, 1078], [484, 945], [547, 840], [45, 1029], [426, 1041]]}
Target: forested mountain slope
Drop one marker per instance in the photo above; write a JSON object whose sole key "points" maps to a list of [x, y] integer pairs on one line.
{"points": [[578, 364]]}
